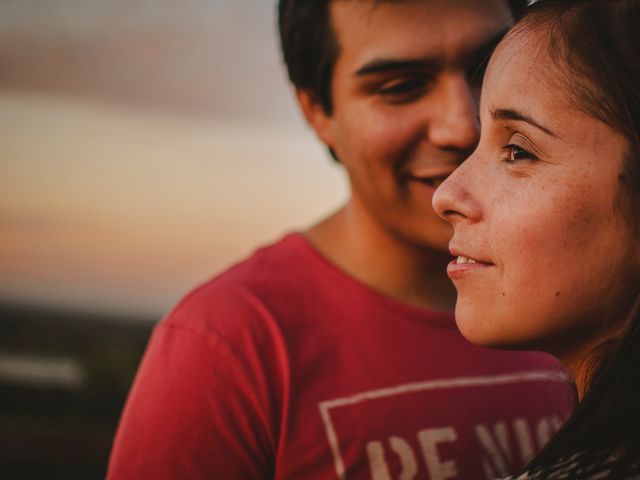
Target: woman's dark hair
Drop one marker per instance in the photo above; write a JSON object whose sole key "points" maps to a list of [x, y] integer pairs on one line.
{"points": [[310, 47], [595, 47]]}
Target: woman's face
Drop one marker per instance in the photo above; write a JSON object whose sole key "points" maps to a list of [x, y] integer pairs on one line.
{"points": [[542, 250]]}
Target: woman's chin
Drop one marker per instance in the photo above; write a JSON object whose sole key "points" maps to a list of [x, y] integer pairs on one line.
{"points": [[485, 330]]}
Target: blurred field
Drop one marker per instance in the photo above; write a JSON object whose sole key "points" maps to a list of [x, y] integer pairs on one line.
{"points": [[63, 380]]}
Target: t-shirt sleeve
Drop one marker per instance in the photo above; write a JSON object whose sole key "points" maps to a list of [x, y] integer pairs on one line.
{"points": [[196, 410]]}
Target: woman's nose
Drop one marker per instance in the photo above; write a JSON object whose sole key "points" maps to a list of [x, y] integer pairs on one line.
{"points": [[453, 200]]}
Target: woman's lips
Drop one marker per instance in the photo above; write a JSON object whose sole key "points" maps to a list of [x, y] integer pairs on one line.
{"points": [[463, 265]]}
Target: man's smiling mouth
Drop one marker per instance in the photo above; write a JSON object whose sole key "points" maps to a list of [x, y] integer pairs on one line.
{"points": [[429, 174], [433, 182]]}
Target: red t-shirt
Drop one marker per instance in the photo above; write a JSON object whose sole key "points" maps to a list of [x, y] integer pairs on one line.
{"points": [[285, 367]]}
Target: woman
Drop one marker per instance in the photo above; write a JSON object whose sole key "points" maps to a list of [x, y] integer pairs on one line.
{"points": [[546, 214]]}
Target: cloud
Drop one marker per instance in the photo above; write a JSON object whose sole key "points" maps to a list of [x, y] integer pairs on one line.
{"points": [[217, 58], [109, 205]]}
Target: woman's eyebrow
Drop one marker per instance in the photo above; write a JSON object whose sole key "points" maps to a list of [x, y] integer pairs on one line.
{"points": [[508, 114]]}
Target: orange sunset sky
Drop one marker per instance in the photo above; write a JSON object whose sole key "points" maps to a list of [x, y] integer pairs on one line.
{"points": [[145, 146]]}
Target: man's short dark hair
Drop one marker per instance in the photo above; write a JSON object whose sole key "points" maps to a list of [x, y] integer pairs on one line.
{"points": [[310, 46]]}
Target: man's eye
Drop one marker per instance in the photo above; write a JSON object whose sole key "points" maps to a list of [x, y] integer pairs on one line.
{"points": [[403, 90], [514, 153]]}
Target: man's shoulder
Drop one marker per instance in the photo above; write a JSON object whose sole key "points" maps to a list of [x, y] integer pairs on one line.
{"points": [[270, 267], [243, 293]]}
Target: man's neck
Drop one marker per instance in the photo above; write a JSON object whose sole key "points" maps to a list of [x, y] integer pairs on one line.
{"points": [[406, 272]]}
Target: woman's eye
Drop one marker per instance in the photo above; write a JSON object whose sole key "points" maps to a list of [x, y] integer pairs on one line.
{"points": [[515, 153]]}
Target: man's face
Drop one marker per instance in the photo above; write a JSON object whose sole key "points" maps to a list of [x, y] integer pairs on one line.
{"points": [[405, 89]]}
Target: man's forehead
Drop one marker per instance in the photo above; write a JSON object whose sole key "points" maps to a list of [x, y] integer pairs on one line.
{"points": [[437, 30], [364, 8]]}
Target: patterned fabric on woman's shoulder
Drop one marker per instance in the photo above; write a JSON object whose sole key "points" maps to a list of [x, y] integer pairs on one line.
{"points": [[584, 467]]}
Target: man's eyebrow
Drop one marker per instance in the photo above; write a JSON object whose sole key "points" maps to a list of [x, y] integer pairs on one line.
{"points": [[507, 114], [382, 65]]}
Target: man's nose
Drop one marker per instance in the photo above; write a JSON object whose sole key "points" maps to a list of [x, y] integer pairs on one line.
{"points": [[454, 125]]}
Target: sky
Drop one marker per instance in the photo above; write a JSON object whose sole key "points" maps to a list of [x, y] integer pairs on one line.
{"points": [[146, 145]]}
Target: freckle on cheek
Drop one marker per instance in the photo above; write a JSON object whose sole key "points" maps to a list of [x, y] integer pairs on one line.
{"points": [[557, 294], [504, 294]]}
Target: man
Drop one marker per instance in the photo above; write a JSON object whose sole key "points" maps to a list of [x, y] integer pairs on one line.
{"points": [[333, 353]]}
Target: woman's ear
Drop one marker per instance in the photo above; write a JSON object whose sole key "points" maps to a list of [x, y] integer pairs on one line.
{"points": [[317, 117]]}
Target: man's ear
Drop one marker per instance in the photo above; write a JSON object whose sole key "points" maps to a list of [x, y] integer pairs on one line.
{"points": [[320, 121]]}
